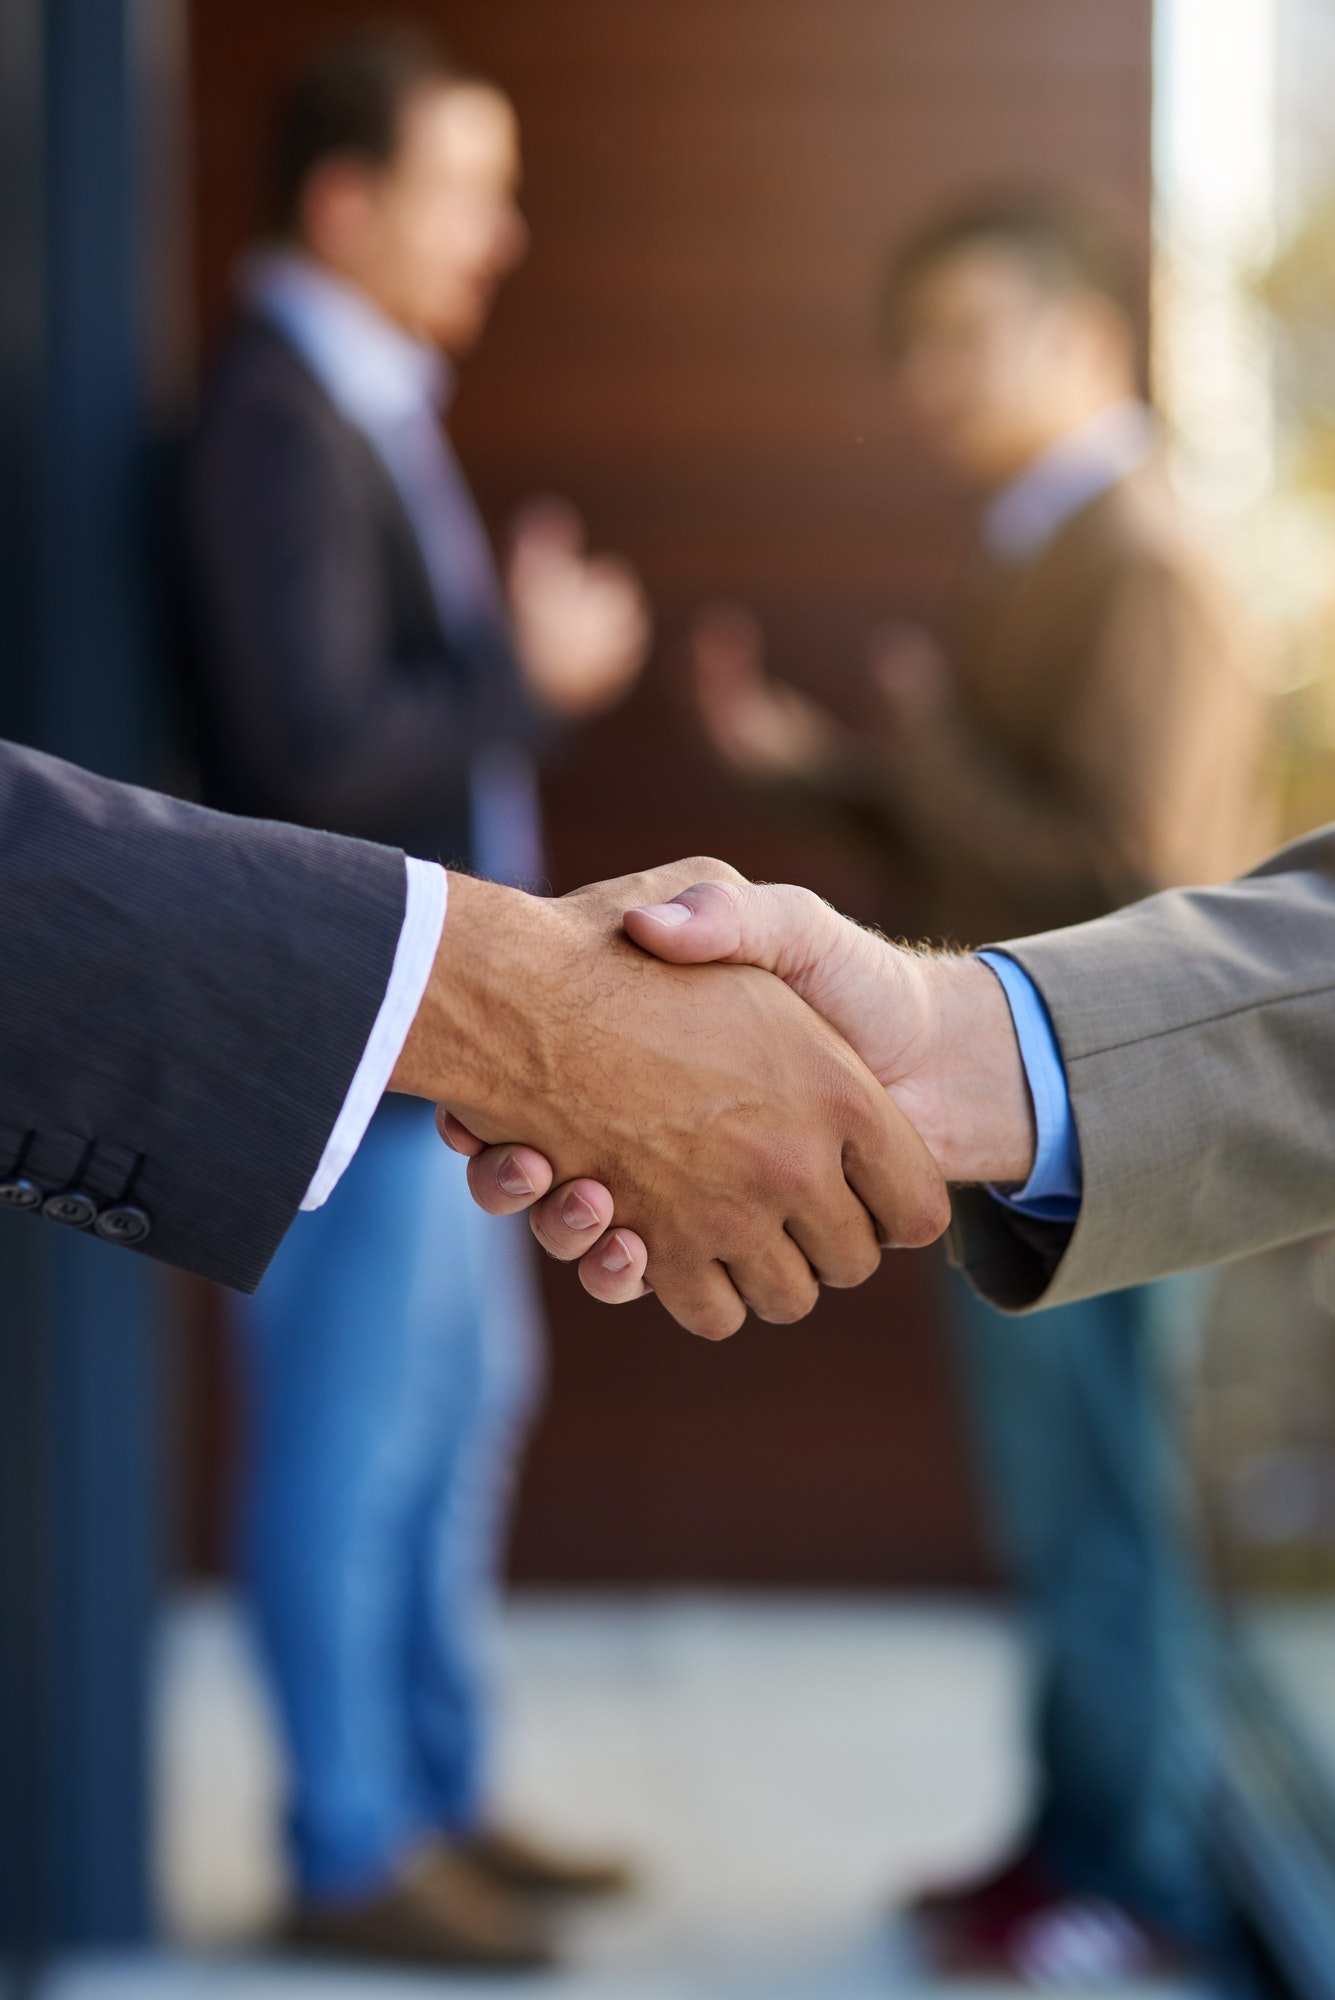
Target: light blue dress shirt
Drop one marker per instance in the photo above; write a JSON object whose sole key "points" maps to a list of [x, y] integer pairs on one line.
{"points": [[1053, 1190], [1024, 517]]}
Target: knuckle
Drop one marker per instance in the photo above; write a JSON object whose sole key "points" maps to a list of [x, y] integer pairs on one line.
{"points": [[855, 1267], [795, 901], [708, 868], [717, 1323], [868, 1264], [926, 1220], [785, 1177], [787, 1309]]}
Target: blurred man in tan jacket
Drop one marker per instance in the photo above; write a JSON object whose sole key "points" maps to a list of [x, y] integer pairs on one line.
{"points": [[1089, 732]]}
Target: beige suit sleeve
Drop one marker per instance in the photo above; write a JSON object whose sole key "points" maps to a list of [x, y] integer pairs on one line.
{"points": [[1198, 1031], [1124, 737]]}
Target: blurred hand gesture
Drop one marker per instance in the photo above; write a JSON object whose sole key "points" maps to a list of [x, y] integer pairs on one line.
{"points": [[582, 623], [758, 726], [908, 673]]}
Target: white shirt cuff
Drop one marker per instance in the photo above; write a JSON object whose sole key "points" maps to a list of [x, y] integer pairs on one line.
{"points": [[419, 941]]}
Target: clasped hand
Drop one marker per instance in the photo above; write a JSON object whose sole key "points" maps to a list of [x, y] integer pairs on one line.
{"points": [[707, 1134]]}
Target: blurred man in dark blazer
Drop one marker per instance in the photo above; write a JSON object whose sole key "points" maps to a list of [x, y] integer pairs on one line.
{"points": [[361, 666], [1088, 732]]}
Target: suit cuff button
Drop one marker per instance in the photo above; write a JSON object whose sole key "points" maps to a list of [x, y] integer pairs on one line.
{"points": [[71, 1207], [122, 1224], [17, 1191]]}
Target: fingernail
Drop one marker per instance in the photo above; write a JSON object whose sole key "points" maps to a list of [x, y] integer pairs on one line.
{"points": [[512, 1179], [576, 1213], [616, 1257], [670, 914]]}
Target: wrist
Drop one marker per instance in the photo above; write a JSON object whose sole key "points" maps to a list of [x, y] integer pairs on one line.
{"points": [[970, 1095], [474, 1029]]}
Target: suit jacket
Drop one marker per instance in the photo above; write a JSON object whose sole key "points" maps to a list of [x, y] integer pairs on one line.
{"points": [[1103, 737], [325, 688], [187, 999], [1198, 1031]]}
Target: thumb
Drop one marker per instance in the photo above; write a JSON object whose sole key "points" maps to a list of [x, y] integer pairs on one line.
{"points": [[776, 926]]}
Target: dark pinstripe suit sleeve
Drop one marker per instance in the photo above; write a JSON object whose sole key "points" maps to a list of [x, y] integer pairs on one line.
{"points": [[186, 998]]}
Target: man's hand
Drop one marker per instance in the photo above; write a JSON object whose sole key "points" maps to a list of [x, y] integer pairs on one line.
{"points": [[582, 623], [748, 1147], [935, 1029], [759, 727], [909, 673]]}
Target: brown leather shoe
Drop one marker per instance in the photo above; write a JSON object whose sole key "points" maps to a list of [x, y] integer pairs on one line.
{"points": [[439, 1910], [526, 1867]]}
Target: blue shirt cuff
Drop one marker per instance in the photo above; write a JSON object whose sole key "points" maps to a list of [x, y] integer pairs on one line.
{"points": [[1054, 1188]]}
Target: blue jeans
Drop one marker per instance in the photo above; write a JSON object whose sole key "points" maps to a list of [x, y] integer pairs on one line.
{"points": [[1086, 1486], [390, 1354]]}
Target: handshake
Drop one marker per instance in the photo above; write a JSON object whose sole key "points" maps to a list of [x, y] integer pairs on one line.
{"points": [[723, 1093]]}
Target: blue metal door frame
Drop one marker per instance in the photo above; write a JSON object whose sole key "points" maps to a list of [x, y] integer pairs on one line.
{"points": [[79, 1326]]}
